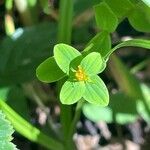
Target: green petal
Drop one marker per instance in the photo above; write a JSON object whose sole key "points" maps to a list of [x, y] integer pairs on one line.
{"points": [[92, 63], [71, 92], [96, 92], [48, 71], [63, 55]]}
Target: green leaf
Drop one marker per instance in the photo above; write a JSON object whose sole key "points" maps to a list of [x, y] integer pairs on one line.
{"points": [[147, 2], [97, 113], [63, 55], [6, 131], [96, 92], [92, 63], [139, 18], [134, 42], [105, 18], [71, 92], [120, 7], [100, 43], [48, 71], [24, 51]]}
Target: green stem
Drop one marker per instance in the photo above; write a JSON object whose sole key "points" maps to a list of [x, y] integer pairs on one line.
{"points": [[65, 21], [29, 131], [76, 118], [64, 36]]}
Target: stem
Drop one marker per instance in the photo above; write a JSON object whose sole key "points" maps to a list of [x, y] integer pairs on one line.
{"points": [[76, 118], [64, 35], [65, 21], [29, 131]]}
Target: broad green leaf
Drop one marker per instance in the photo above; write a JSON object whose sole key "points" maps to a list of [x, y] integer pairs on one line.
{"points": [[97, 113], [147, 2], [134, 42], [6, 131], [105, 18], [25, 128], [24, 51], [96, 92], [92, 63], [139, 18], [48, 71], [100, 43], [71, 92], [120, 7], [63, 55]]}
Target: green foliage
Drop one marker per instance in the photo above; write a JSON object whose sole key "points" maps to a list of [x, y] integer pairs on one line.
{"points": [[63, 55], [105, 18], [81, 80], [147, 2], [100, 43], [6, 131], [122, 109], [22, 53], [120, 7], [139, 17], [76, 72], [54, 73]]}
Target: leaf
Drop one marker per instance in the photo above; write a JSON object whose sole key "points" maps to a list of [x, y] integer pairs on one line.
{"points": [[6, 131], [97, 113], [96, 92], [147, 2], [105, 18], [63, 55], [24, 51], [100, 43], [134, 42], [71, 92], [92, 63], [48, 71], [139, 18], [120, 7]]}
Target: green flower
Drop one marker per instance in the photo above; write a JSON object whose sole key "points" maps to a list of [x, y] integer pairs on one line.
{"points": [[83, 81]]}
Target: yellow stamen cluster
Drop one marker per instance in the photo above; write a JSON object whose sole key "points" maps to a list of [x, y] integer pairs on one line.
{"points": [[81, 75]]}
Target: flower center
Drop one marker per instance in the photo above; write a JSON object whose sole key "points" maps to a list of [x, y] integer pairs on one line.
{"points": [[80, 74]]}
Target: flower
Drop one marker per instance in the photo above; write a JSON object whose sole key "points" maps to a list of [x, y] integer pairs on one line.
{"points": [[83, 80]]}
